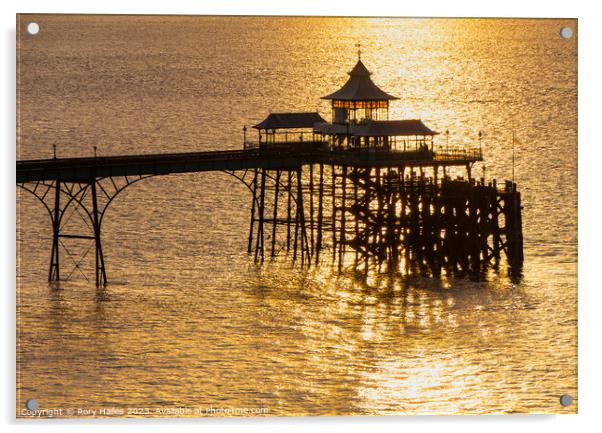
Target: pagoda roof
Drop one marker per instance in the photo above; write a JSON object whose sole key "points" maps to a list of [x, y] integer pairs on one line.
{"points": [[290, 121], [360, 87]]}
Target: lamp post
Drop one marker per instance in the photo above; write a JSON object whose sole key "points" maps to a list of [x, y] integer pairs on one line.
{"points": [[244, 135], [95, 147], [54, 150]]}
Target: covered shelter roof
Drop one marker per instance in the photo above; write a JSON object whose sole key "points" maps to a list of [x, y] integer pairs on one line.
{"points": [[290, 121], [360, 87], [378, 128], [382, 128]]}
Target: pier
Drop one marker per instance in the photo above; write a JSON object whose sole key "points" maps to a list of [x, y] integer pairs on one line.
{"points": [[362, 190]]}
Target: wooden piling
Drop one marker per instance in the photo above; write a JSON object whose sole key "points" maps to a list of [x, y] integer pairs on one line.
{"points": [[275, 214], [320, 213], [305, 247], [342, 237], [289, 211], [334, 213], [296, 230], [311, 207], [253, 201], [259, 245]]}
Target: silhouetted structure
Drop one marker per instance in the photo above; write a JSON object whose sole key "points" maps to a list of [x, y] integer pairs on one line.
{"points": [[375, 189], [364, 193]]}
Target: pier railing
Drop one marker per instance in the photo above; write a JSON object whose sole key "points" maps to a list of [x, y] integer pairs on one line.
{"points": [[458, 154], [250, 145], [371, 154], [284, 137], [420, 156]]}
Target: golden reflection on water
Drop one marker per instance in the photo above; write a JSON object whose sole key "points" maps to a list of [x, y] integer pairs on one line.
{"points": [[423, 385]]}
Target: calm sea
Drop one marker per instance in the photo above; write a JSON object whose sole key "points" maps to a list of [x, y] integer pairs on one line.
{"points": [[188, 320]]}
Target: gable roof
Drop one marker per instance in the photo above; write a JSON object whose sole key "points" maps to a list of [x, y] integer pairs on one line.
{"points": [[290, 121], [360, 87]]}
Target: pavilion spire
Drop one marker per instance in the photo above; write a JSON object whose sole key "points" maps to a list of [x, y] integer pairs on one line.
{"points": [[359, 86]]}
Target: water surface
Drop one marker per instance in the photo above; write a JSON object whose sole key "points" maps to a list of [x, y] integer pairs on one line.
{"points": [[188, 320]]}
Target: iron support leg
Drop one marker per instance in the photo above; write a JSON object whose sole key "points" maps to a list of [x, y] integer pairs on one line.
{"points": [[101, 275], [54, 272]]}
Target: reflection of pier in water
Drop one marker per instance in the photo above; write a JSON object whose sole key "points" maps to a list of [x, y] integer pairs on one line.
{"points": [[363, 186]]}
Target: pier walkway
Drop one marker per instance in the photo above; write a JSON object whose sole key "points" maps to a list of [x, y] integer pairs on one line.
{"points": [[86, 168]]}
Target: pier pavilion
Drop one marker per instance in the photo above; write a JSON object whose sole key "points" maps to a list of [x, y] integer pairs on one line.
{"points": [[359, 121]]}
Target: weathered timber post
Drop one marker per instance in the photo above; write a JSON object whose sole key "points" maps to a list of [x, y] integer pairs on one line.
{"points": [[320, 213], [296, 232], [253, 200], [288, 211], [404, 250], [495, 221], [367, 213], [305, 248], [486, 222], [474, 251], [514, 227], [394, 232], [275, 215], [379, 220], [342, 238], [356, 219], [452, 223], [259, 242], [311, 206], [413, 223], [334, 214], [465, 228], [439, 229]]}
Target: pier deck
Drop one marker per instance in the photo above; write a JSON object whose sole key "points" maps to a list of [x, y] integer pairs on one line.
{"points": [[86, 168]]}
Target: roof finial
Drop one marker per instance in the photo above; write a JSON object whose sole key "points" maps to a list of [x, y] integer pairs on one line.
{"points": [[359, 50]]}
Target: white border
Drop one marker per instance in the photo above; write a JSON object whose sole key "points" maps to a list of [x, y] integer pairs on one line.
{"points": [[590, 287], [458, 8]]}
